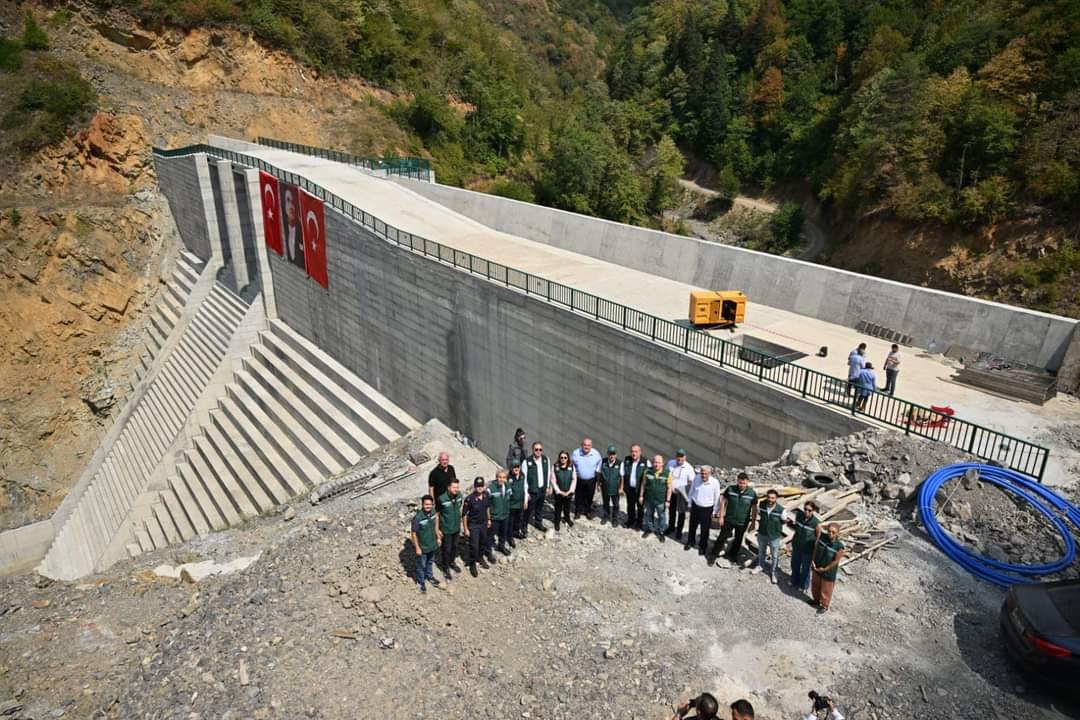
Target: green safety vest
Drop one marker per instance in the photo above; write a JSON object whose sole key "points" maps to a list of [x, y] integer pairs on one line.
{"points": [[450, 513], [517, 490], [805, 530], [738, 504], [537, 474], [500, 501], [824, 552], [610, 474], [656, 486], [771, 521], [424, 527], [564, 477]]}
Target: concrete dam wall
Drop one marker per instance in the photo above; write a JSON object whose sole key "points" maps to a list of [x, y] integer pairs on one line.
{"points": [[486, 359], [932, 317]]}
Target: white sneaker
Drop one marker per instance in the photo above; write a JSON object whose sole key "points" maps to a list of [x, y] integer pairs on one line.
{"points": [[755, 570], [773, 579]]}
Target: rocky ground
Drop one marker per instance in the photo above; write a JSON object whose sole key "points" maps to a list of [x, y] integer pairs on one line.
{"points": [[596, 621]]}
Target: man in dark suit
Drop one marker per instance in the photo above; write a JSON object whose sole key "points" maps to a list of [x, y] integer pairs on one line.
{"points": [[292, 229]]}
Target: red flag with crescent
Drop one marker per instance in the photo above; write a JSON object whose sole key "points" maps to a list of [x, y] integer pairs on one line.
{"points": [[311, 210], [271, 212]]}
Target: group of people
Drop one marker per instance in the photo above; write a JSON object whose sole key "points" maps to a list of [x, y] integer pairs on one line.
{"points": [[660, 498], [706, 707], [862, 381]]}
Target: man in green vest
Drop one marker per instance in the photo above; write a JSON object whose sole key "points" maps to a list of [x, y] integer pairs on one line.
{"points": [[611, 485], [828, 552], [736, 513], [802, 545], [656, 497], [425, 541], [539, 477], [501, 497], [449, 508], [771, 519], [519, 502]]}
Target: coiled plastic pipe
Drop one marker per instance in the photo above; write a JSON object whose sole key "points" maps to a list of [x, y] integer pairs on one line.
{"points": [[1045, 501]]}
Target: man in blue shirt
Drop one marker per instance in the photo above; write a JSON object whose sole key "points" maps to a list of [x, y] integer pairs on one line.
{"points": [[865, 385], [856, 359], [586, 462]]}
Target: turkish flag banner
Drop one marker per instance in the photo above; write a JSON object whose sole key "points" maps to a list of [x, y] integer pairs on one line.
{"points": [[271, 212], [311, 210]]}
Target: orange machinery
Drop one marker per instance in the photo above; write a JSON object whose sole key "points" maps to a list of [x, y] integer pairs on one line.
{"points": [[724, 308]]}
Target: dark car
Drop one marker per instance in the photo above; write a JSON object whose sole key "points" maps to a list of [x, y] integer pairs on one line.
{"points": [[1041, 625]]}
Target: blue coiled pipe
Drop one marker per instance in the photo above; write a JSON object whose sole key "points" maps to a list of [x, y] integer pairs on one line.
{"points": [[1044, 500]]}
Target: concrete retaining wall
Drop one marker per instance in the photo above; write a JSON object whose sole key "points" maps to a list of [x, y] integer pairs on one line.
{"points": [[933, 318], [21, 548], [485, 359], [177, 179]]}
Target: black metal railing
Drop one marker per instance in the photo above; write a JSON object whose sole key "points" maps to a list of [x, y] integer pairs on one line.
{"points": [[990, 445], [412, 167]]}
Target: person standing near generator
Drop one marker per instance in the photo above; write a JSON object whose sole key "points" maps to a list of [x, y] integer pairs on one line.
{"points": [[656, 497], [476, 525], [449, 527], [587, 462], [501, 496], [540, 479], [771, 519], [425, 527], [519, 502], [633, 475], [611, 485], [736, 510], [565, 485], [802, 545]]}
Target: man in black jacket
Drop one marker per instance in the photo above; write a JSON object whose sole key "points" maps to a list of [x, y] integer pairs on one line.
{"points": [[633, 470]]}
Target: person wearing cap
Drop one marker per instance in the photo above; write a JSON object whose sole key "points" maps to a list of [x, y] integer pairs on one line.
{"points": [[633, 473], [682, 478], [656, 497], [586, 461], [517, 450], [611, 484], [476, 525], [565, 486], [704, 503], [539, 481], [519, 502], [501, 495]]}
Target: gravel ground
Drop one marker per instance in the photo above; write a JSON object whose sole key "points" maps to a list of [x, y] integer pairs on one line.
{"points": [[596, 621]]}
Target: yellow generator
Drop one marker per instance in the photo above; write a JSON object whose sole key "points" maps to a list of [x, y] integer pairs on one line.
{"points": [[725, 308]]}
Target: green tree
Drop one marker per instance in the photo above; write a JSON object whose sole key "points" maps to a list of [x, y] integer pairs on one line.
{"points": [[667, 168]]}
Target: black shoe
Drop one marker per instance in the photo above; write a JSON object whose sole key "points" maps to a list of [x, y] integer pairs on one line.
{"points": [[812, 602], [663, 538], [646, 533], [677, 537], [491, 558], [701, 552], [505, 550], [710, 559], [686, 547], [557, 528], [511, 541], [483, 564], [455, 567], [670, 532], [434, 582], [577, 516], [472, 570], [570, 523]]}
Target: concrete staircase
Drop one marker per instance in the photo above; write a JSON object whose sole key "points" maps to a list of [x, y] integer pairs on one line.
{"points": [[291, 417], [161, 407], [170, 308]]}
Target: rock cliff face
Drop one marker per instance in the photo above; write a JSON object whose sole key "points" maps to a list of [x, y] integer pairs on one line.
{"points": [[85, 239]]}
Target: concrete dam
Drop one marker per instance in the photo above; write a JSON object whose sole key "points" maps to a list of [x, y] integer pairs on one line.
{"points": [[272, 366]]}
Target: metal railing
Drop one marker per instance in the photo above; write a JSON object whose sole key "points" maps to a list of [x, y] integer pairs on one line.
{"points": [[412, 167], [914, 419]]}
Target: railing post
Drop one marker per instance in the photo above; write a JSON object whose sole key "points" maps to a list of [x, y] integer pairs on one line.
{"points": [[1042, 465], [805, 380], [723, 349], [652, 332], [971, 440], [686, 341]]}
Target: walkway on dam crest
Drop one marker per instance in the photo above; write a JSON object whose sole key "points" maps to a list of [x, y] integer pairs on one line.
{"points": [[924, 378]]}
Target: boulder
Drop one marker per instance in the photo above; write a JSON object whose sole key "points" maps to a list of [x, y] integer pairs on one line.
{"points": [[803, 453]]}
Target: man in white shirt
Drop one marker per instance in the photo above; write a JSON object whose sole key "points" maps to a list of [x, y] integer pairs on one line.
{"points": [[704, 503], [632, 471], [892, 369], [682, 477], [586, 461]]}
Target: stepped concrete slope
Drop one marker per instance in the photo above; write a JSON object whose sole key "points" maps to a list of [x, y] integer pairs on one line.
{"points": [[187, 359], [170, 309], [291, 416]]}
